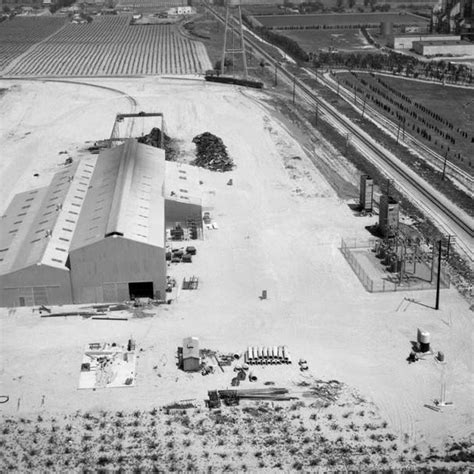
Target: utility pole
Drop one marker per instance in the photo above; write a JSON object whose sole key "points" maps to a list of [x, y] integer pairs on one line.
{"points": [[276, 79], [348, 137], [438, 281]]}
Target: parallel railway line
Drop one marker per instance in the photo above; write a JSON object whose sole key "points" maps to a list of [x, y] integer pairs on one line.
{"points": [[451, 219]]}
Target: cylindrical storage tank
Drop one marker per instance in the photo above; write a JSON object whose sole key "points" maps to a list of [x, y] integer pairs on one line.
{"points": [[280, 353], [268, 355], [276, 360], [249, 354], [424, 339], [440, 356], [253, 351], [260, 355], [386, 29], [423, 336]]}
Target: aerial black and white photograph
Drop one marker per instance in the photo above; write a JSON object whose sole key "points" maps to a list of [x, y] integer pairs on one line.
{"points": [[236, 236]]}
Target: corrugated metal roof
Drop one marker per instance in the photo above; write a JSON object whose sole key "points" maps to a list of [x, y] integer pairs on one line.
{"points": [[125, 197], [191, 347], [38, 225], [182, 183]]}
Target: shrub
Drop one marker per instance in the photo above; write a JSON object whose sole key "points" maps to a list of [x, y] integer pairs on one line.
{"points": [[103, 460]]}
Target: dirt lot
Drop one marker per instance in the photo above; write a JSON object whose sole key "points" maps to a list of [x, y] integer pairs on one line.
{"points": [[280, 227]]}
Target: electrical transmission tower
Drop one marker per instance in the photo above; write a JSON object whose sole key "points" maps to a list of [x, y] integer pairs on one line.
{"points": [[230, 28]]}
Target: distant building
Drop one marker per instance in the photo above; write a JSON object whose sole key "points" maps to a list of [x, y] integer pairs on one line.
{"points": [[191, 357], [406, 41], [454, 16], [181, 10], [444, 48]]}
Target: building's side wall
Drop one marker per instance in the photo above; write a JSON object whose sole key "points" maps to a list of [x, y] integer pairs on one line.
{"points": [[191, 364], [35, 285], [407, 42], [431, 50], [101, 272], [176, 211]]}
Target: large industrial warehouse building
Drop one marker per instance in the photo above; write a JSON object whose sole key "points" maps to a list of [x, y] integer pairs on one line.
{"points": [[95, 234]]}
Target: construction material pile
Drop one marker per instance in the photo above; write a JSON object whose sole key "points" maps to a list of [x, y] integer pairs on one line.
{"points": [[267, 355], [328, 391], [232, 397], [211, 153], [159, 139]]}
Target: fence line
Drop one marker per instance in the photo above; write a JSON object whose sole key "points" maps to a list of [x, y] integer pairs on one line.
{"points": [[382, 284]]}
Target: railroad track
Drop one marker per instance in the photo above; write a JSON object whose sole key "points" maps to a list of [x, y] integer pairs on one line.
{"points": [[451, 219], [426, 153]]}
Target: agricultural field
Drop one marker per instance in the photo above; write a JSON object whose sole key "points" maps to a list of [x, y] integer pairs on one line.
{"points": [[111, 46], [330, 40], [442, 117], [20, 33], [344, 20]]}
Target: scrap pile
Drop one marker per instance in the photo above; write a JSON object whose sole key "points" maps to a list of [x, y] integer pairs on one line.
{"points": [[211, 153], [181, 255], [155, 138], [267, 355], [328, 391]]}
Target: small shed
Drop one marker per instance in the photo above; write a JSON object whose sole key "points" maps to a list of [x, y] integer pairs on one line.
{"points": [[191, 358]]}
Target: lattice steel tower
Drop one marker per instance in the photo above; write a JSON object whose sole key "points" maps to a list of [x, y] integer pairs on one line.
{"points": [[239, 49]]}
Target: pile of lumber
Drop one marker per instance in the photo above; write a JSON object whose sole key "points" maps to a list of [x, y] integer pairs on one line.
{"points": [[211, 153], [256, 394]]}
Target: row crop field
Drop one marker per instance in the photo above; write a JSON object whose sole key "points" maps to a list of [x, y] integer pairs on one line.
{"points": [[336, 20], [20, 33], [111, 46], [442, 117]]}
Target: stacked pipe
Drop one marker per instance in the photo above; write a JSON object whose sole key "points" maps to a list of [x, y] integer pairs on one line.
{"points": [[260, 355]]}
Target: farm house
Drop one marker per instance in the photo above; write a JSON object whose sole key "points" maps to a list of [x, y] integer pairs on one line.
{"points": [[95, 234]]}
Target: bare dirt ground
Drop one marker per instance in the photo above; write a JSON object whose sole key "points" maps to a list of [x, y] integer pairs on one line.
{"points": [[279, 229]]}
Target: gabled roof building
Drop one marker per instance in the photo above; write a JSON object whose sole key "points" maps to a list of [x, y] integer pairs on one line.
{"points": [[95, 234]]}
